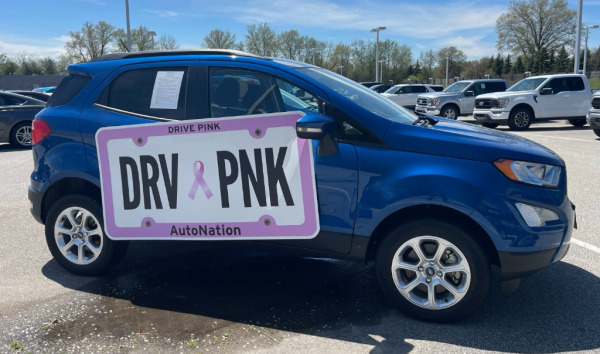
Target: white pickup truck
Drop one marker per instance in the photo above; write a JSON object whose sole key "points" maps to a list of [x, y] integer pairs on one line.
{"points": [[593, 117], [537, 98]]}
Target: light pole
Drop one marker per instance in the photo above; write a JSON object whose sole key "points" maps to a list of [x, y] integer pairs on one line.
{"points": [[578, 40], [152, 33], [313, 55], [377, 51], [128, 31], [341, 67], [587, 30], [447, 64], [380, 71]]}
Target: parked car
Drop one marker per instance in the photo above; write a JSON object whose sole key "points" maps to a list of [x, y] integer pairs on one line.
{"points": [[37, 95], [48, 89], [536, 98], [433, 202], [457, 99], [381, 88], [16, 114], [406, 95], [593, 116]]}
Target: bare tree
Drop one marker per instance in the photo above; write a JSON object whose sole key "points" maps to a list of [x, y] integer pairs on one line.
{"points": [[261, 40], [167, 42], [219, 39], [532, 25], [141, 39], [91, 41]]}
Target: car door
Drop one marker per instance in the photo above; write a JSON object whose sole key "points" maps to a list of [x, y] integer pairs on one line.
{"points": [[554, 99], [7, 116], [578, 95], [244, 91]]}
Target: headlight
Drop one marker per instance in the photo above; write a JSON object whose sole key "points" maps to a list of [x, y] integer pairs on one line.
{"points": [[530, 172], [434, 101], [503, 102]]}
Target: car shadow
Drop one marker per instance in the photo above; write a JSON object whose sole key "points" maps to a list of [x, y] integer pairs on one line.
{"points": [[9, 147], [187, 285]]}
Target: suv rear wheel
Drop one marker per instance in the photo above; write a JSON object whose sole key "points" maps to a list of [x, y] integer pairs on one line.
{"points": [[597, 132], [76, 238], [433, 271]]}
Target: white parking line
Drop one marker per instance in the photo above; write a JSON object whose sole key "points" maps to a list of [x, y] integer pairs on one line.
{"points": [[560, 137], [585, 245]]}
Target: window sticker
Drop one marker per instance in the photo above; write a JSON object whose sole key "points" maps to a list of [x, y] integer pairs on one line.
{"points": [[166, 90]]}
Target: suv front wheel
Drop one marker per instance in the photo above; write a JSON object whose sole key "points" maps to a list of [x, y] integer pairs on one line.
{"points": [[450, 112], [76, 238], [520, 119], [432, 270]]}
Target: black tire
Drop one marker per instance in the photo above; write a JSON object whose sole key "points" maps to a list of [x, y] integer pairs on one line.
{"points": [[490, 125], [78, 219], [520, 119], [472, 277], [20, 135], [579, 122], [450, 112], [597, 132]]}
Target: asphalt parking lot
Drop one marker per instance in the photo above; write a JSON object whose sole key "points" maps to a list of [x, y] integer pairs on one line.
{"points": [[199, 297]]}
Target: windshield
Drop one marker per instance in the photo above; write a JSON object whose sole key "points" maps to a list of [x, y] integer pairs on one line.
{"points": [[457, 87], [527, 84], [393, 89], [362, 96]]}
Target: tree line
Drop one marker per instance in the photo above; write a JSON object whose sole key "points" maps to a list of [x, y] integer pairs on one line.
{"points": [[536, 33]]}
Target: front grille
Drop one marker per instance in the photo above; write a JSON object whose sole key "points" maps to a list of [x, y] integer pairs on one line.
{"points": [[422, 101], [596, 103], [483, 103]]}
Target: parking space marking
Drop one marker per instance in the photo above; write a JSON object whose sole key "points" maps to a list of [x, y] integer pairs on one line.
{"points": [[585, 245], [560, 137]]}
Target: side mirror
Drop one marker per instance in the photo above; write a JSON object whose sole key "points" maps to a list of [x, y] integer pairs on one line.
{"points": [[318, 127], [469, 93], [300, 93], [546, 91]]}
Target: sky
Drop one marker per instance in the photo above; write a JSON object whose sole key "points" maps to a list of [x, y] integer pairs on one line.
{"points": [[41, 28]]}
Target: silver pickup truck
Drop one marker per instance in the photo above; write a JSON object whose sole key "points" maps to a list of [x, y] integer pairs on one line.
{"points": [[458, 99]]}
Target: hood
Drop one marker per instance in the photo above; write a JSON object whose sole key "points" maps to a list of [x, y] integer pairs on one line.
{"points": [[439, 94], [503, 94], [467, 141]]}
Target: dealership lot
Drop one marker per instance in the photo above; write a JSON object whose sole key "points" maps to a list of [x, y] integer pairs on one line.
{"points": [[198, 297]]}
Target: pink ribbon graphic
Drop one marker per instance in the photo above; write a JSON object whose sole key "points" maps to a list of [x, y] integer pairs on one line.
{"points": [[199, 181]]}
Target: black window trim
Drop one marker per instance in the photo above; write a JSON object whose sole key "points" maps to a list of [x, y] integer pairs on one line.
{"points": [[139, 115]]}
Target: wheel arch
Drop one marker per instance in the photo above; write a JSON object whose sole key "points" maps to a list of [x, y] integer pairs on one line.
{"points": [[66, 186], [432, 212], [526, 106]]}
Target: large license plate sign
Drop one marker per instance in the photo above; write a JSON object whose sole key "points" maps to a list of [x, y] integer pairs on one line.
{"points": [[226, 179]]}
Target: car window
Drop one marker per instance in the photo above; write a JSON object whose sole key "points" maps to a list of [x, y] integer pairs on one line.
{"points": [[393, 89], [406, 89], [235, 92], [495, 87], [557, 85], [457, 87], [67, 89], [575, 84], [156, 92], [478, 88], [11, 101], [527, 84], [419, 89]]}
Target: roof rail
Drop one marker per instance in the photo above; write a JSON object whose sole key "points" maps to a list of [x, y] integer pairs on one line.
{"points": [[160, 53]]}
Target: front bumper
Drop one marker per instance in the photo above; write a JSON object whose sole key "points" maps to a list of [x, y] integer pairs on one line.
{"points": [[434, 111], [491, 116], [593, 119], [515, 265]]}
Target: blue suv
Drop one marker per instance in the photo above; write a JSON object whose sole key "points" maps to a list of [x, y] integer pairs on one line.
{"points": [[434, 202]]}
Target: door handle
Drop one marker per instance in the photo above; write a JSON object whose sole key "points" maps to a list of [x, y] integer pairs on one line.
{"points": [[567, 96]]}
